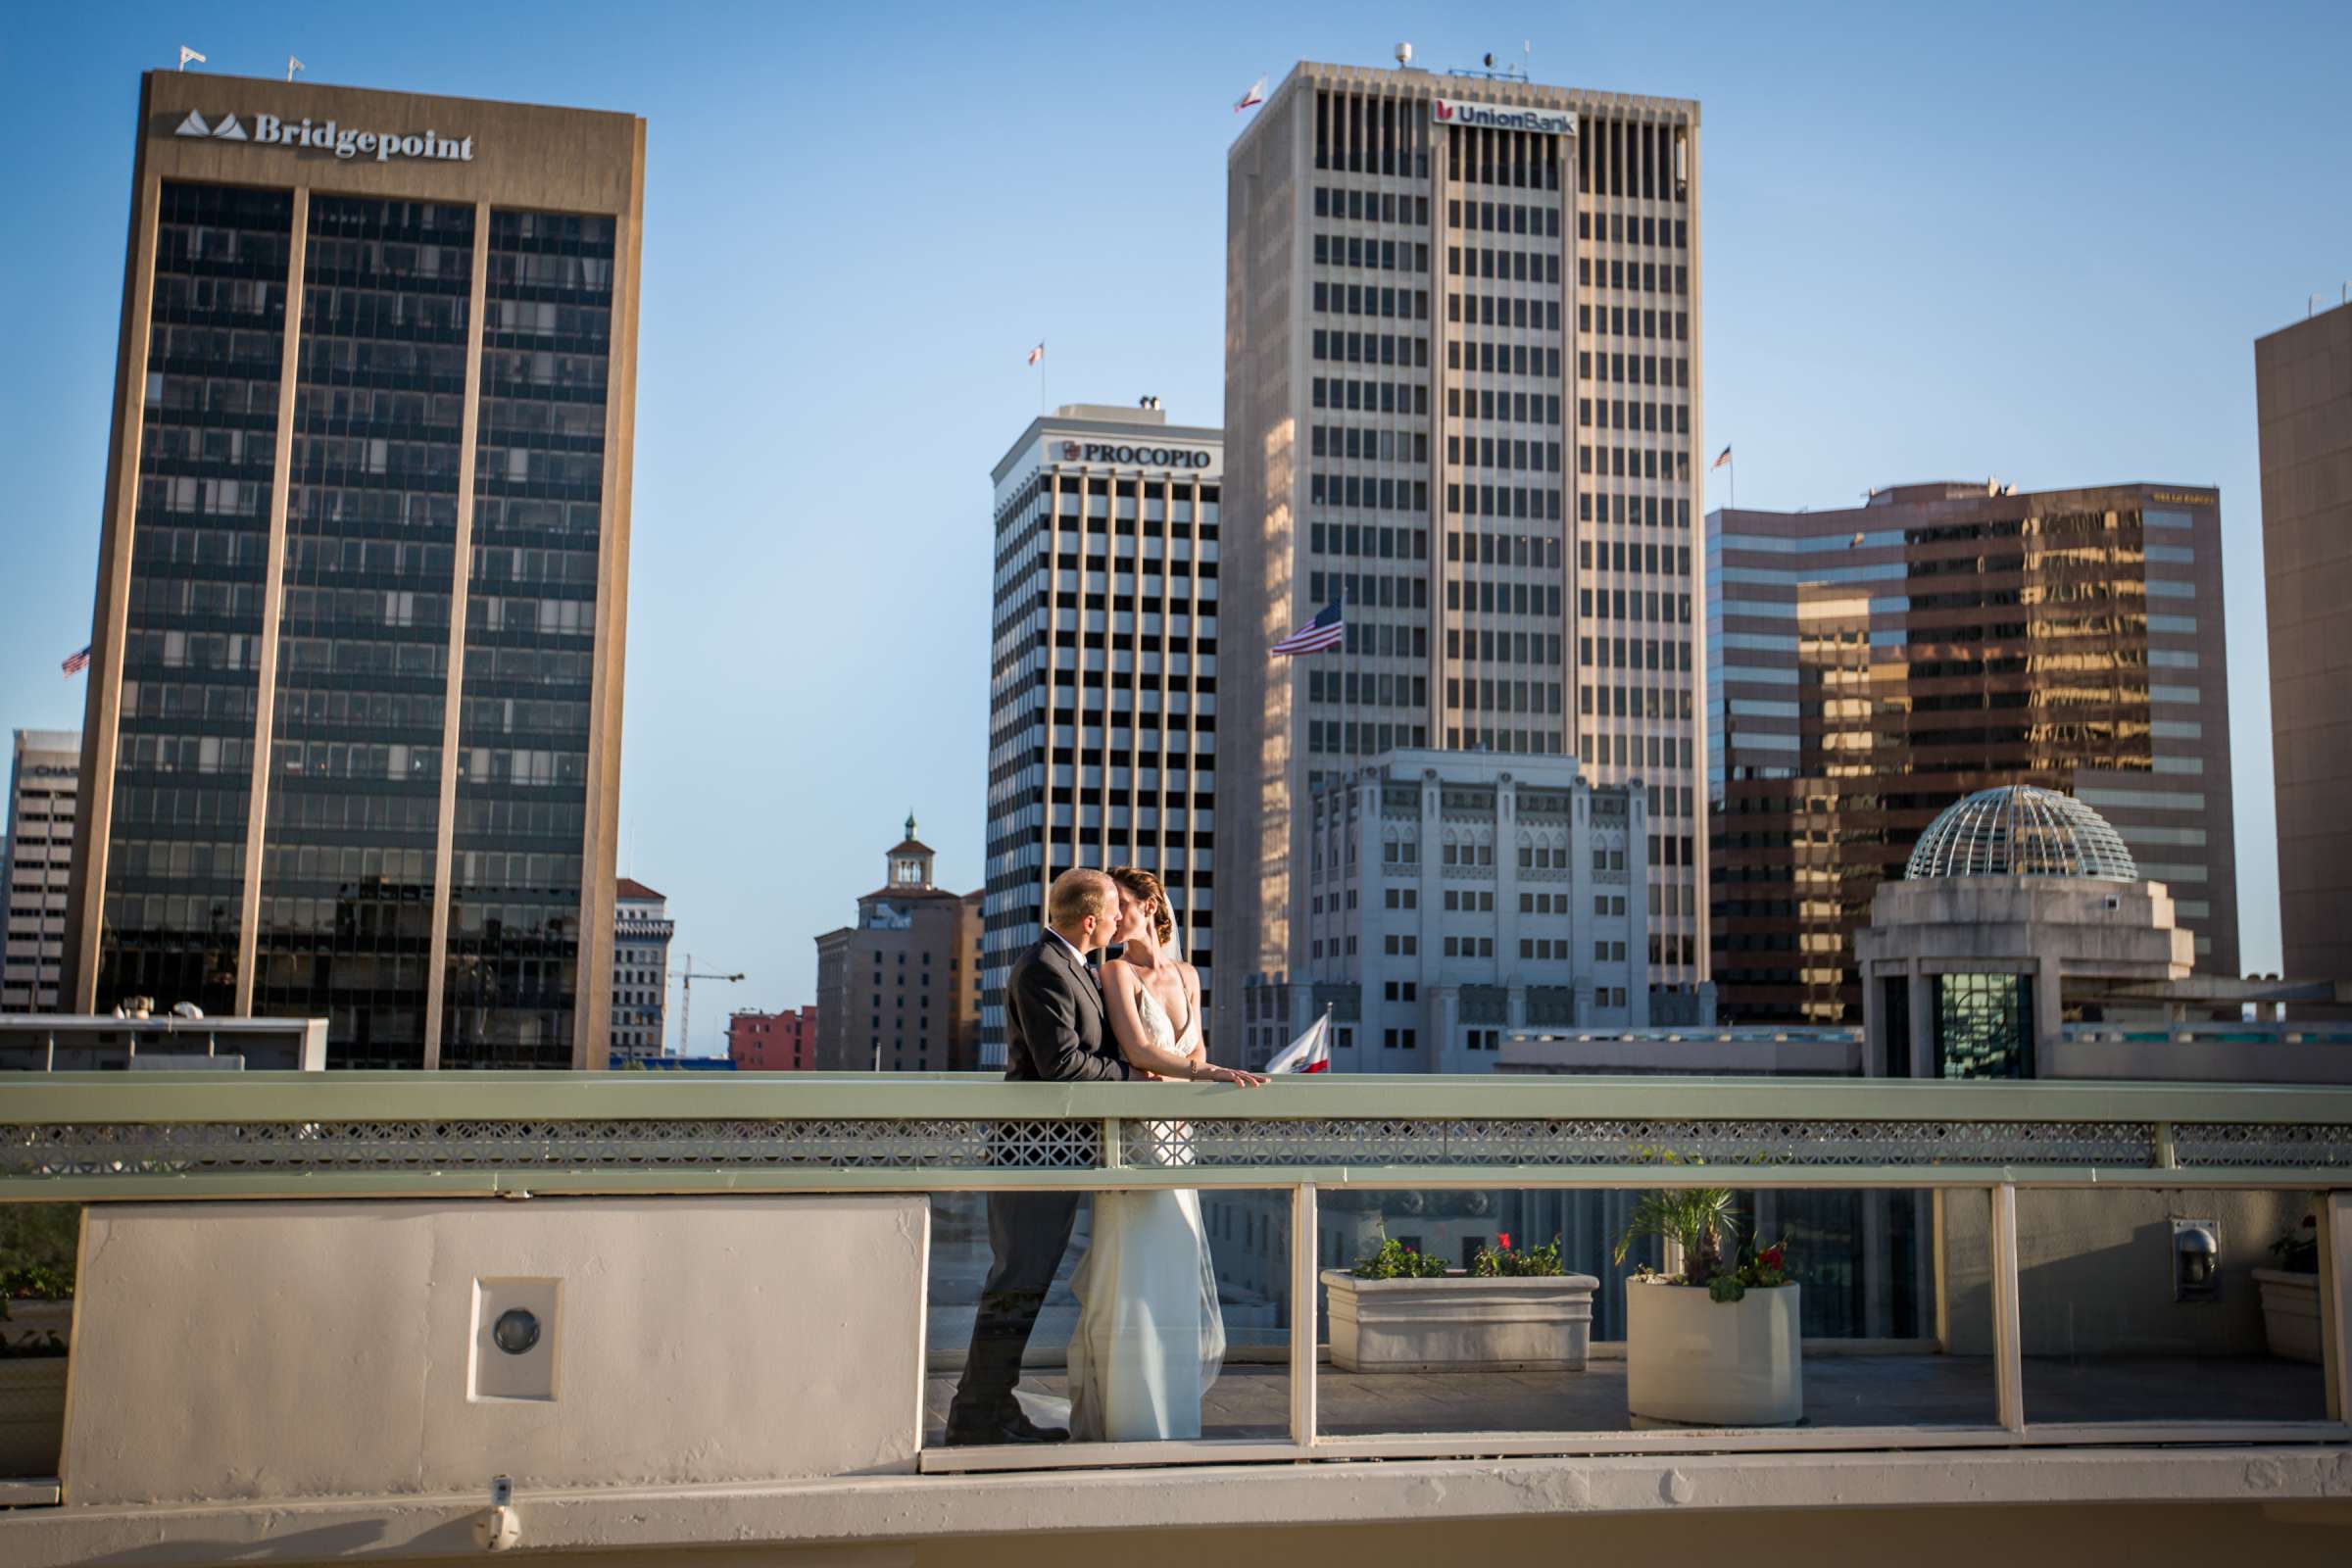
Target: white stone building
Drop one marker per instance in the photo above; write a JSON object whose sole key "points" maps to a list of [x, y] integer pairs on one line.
{"points": [[37, 862], [1454, 897], [641, 933]]}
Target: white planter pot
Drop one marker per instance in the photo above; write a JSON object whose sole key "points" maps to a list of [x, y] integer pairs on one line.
{"points": [[1459, 1324], [1688, 1358], [32, 1416], [2290, 1313]]}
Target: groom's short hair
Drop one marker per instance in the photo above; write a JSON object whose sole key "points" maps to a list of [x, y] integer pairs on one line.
{"points": [[1078, 893]]}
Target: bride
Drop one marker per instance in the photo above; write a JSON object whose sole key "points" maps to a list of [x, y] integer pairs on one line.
{"points": [[1150, 1339]]}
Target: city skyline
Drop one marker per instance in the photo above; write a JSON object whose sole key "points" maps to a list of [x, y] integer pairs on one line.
{"points": [[1905, 338]]}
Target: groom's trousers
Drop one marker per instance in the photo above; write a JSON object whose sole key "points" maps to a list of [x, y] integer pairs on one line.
{"points": [[1028, 1232]]}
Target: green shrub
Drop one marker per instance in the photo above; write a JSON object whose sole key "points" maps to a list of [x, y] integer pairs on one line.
{"points": [[1397, 1261], [1503, 1261]]}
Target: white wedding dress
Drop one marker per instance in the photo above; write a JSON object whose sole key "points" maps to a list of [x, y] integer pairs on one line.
{"points": [[1150, 1339]]}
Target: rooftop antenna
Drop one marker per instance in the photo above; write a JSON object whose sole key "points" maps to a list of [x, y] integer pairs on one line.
{"points": [[187, 54], [292, 65]]}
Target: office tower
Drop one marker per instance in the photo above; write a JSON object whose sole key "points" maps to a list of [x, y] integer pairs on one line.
{"points": [[2303, 390], [1872, 664], [35, 859], [1102, 745], [1462, 395], [354, 717], [888, 988], [1455, 898], [641, 933]]}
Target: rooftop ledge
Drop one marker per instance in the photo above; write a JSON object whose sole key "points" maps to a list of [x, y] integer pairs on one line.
{"points": [[2314, 1485]]}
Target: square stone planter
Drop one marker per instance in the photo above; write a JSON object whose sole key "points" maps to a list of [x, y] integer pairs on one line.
{"points": [[33, 1415], [1460, 1324], [2290, 1313], [1692, 1359]]}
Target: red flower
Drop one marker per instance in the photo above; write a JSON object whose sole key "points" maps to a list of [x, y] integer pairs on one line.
{"points": [[1505, 1237], [1770, 1258]]}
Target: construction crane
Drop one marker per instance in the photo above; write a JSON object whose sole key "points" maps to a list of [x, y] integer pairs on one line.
{"points": [[686, 980]]}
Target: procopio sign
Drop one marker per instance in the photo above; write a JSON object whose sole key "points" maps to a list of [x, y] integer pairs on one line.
{"points": [[1142, 457], [344, 141]]}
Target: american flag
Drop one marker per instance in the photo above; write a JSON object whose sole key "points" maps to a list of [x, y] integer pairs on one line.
{"points": [[75, 663], [1326, 630], [1038, 353], [1721, 458]]}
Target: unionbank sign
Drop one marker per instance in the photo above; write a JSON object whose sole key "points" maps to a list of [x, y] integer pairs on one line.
{"points": [[329, 136], [1487, 117]]}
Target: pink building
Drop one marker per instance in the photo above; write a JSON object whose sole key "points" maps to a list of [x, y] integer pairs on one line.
{"points": [[772, 1042]]}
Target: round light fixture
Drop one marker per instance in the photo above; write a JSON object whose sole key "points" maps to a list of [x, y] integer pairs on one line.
{"points": [[515, 1331]]}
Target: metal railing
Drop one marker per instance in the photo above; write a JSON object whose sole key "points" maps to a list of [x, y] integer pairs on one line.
{"points": [[99, 1138]]}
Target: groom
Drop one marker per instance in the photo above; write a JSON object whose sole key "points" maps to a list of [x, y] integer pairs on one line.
{"points": [[1055, 1029]]}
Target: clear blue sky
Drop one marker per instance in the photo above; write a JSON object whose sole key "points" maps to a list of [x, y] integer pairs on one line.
{"points": [[2035, 241]]}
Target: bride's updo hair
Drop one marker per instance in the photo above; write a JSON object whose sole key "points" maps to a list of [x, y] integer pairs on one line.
{"points": [[1143, 887]]}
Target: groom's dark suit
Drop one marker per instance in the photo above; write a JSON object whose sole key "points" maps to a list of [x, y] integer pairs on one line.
{"points": [[1055, 1028]]}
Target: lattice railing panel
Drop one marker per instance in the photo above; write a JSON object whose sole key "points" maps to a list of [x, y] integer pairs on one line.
{"points": [[1757, 1142], [2261, 1144], [147, 1149]]}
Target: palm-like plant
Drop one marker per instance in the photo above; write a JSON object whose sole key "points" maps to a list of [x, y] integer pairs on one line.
{"points": [[1698, 1219]]}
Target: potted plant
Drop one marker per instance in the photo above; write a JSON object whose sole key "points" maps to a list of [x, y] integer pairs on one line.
{"points": [[1718, 1344], [1512, 1309], [2290, 1293]]}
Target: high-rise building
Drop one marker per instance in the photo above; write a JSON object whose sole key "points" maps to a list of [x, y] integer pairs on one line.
{"points": [[641, 932], [1462, 395], [772, 1042], [1454, 898], [1102, 674], [1870, 666], [35, 861], [2303, 391], [354, 714], [887, 988]]}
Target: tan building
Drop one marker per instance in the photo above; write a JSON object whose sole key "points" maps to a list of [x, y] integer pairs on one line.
{"points": [[34, 863], [2303, 390], [354, 714], [1462, 395], [1102, 678], [892, 992]]}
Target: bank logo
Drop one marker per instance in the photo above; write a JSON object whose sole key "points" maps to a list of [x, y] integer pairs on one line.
{"points": [[1069, 452], [1547, 121], [228, 131], [331, 137]]}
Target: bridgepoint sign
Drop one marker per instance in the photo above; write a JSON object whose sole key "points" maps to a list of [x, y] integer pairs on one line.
{"points": [[329, 136], [1486, 117], [1144, 457]]}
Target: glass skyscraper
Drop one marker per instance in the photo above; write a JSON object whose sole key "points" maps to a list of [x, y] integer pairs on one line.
{"points": [[355, 710]]}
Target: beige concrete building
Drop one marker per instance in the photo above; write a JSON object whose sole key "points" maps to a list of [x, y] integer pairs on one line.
{"points": [[1462, 395], [1103, 672], [2303, 390], [354, 714], [34, 861], [892, 990]]}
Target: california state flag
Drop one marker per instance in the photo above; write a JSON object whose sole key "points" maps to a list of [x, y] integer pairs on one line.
{"points": [[1309, 1052]]}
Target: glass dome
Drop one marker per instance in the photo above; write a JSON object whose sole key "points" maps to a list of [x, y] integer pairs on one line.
{"points": [[2019, 830]]}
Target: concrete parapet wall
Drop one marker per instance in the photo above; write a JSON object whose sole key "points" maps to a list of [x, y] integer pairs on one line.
{"points": [[2096, 1271], [268, 1350]]}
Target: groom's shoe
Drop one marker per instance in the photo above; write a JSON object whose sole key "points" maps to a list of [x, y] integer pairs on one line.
{"points": [[1013, 1427]]}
